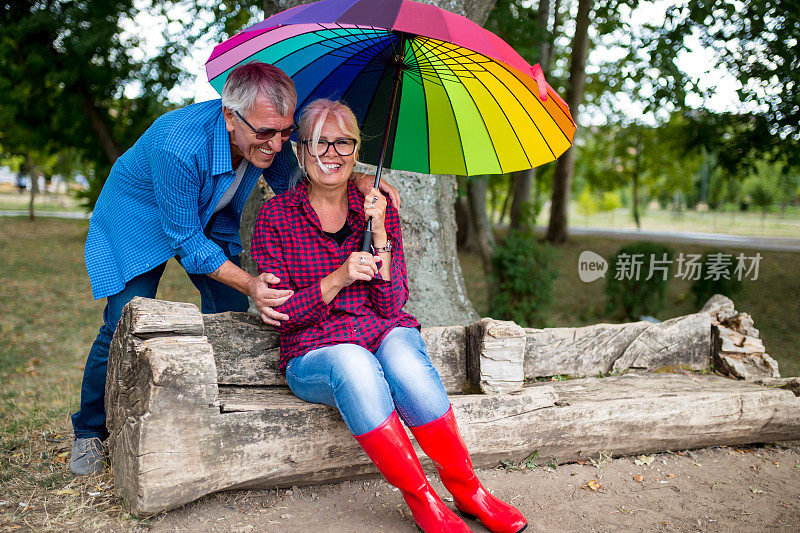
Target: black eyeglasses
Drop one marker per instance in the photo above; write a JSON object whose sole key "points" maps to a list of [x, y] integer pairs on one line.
{"points": [[268, 133], [344, 146]]}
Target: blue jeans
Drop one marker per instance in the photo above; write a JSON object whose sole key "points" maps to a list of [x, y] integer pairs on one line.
{"points": [[367, 387], [215, 297]]}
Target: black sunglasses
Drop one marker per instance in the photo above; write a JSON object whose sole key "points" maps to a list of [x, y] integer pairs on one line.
{"points": [[268, 133]]}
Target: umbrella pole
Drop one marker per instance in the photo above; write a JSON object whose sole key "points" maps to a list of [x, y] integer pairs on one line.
{"points": [[366, 241]]}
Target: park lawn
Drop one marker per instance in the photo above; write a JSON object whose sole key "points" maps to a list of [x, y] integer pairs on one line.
{"points": [[43, 202], [49, 320]]}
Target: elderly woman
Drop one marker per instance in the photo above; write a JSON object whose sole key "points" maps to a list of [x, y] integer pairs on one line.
{"points": [[347, 342]]}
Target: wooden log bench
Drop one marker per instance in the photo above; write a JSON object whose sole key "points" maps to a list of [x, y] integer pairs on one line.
{"points": [[196, 405]]}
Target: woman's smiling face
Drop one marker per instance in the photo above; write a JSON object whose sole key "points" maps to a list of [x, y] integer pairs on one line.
{"points": [[335, 169]]}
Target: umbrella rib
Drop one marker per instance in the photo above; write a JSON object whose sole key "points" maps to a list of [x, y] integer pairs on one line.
{"points": [[367, 38], [510, 124], [425, 100], [536, 97], [460, 141], [310, 94], [368, 41], [480, 115]]}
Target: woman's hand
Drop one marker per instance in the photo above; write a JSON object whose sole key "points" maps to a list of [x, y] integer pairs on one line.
{"points": [[359, 266], [375, 207], [366, 183]]}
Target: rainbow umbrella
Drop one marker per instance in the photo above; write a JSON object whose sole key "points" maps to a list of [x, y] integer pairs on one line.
{"points": [[433, 91]]}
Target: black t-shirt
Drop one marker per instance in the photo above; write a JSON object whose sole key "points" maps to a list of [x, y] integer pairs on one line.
{"points": [[341, 235]]}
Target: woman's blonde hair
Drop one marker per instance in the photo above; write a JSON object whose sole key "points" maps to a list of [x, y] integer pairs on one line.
{"points": [[313, 118]]}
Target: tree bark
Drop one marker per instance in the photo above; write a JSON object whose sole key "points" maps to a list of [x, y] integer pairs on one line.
{"points": [[562, 180], [635, 202], [520, 206], [465, 229]]}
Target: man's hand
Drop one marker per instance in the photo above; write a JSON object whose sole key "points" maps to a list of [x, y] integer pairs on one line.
{"points": [[365, 183], [266, 298]]}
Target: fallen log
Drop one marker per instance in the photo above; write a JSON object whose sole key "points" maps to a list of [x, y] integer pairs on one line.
{"points": [[186, 419], [682, 343]]}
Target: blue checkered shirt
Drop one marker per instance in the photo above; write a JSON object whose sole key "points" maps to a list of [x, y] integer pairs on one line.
{"points": [[161, 194]]}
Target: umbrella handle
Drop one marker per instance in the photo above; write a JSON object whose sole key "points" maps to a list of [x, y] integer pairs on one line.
{"points": [[366, 241]]}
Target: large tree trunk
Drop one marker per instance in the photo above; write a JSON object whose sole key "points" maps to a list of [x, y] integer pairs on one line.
{"points": [[562, 180], [436, 286]]}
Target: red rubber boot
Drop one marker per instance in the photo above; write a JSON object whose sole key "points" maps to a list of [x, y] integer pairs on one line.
{"points": [[391, 451], [443, 444]]}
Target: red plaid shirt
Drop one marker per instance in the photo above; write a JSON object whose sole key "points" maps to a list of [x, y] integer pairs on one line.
{"points": [[288, 241]]}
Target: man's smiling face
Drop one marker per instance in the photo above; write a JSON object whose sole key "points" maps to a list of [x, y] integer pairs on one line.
{"points": [[243, 139]]}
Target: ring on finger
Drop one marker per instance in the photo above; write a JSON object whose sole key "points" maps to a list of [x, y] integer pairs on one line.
{"points": [[363, 260], [374, 199]]}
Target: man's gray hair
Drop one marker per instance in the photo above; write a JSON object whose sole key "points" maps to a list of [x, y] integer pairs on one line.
{"points": [[246, 82]]}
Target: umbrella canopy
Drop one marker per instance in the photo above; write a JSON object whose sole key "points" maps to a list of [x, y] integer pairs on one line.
{"points": [[466, 103]]}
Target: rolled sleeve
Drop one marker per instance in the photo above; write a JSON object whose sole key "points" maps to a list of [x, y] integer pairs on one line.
{"points": [[200, 255], [177, 190]]}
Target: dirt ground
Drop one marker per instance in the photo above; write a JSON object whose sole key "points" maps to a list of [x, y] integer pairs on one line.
{"points": [[724, 489]]}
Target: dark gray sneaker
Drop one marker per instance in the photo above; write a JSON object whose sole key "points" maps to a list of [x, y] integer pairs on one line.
{"points": [[87, 456]]}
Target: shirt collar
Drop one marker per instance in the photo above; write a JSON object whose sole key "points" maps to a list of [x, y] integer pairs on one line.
{"points": [[299, 197], [221, 147]]}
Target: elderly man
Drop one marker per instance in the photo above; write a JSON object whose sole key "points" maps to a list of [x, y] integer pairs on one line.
{"points": [[179, 192]]}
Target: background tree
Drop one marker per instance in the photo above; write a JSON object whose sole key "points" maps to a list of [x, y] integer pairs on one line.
{"points": [[70, 78], [532, 33], [754, 42]]}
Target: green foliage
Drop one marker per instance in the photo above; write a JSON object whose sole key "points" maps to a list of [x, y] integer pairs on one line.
{"points": [[587, 203], [74, 79], [757, 44], [590, 202], [629, 292], [710, 282], [523, 271], [657, 156]]}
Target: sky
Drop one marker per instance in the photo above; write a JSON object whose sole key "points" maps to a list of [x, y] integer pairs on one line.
{"points": [[698, 63]]}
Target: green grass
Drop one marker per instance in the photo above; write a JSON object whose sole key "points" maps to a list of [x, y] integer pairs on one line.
{"points": [[49, 321], [42, 202]]}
